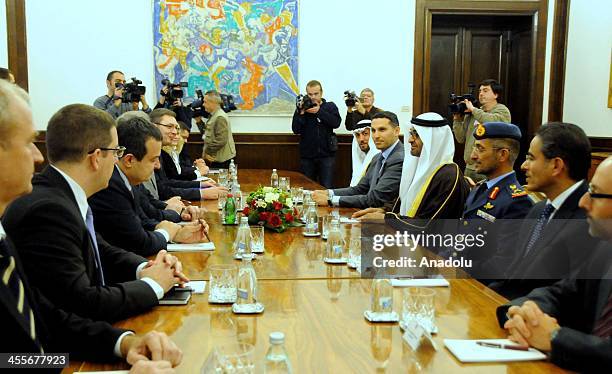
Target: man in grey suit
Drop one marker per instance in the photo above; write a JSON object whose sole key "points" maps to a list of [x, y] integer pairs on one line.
{"points": [[380, 184], [572, 319]]}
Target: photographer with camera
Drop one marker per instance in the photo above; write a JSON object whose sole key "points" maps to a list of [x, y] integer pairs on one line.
{"points": [[315, 120], [171, 97], [359, 108], [122, 97], [466, 117], [219, 148]]}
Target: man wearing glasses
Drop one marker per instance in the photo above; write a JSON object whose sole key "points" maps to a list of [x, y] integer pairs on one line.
{"points": [[53, 227], [554, 241], [495, 201], [572, 319]]}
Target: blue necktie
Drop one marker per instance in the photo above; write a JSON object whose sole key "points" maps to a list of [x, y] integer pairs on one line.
{"points": [[539, 227], [92, 234]]}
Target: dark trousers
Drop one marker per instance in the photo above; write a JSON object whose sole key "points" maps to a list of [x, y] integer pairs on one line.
{"points": [[319, 170], [221, 165]]}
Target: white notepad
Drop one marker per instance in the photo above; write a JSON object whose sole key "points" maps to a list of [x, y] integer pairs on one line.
{"points": [[197, 286], [194, 247], [469, 351], [420, 282], [348, 220]]}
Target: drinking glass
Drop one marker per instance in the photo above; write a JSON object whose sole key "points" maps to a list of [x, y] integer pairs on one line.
{"points": [[223, 279], [222, 198], [326, 221], [418, 303], [282, 183], [354, 259], [235, 358], [257, 239]]}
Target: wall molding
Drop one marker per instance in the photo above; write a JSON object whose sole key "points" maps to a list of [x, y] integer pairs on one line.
{"points": [[17, 42]]}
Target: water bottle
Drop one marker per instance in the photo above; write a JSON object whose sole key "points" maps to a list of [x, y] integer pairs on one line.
{"points": [[242, 243], [236, 192], [277, 361], [334, 248], [247, 282], [382, 296], [232, 168], [311, 219], [229, 216], [274, 179], [306, 198]]}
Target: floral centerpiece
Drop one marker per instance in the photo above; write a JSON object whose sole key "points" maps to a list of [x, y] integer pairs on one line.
{"points": [[272, 208]]}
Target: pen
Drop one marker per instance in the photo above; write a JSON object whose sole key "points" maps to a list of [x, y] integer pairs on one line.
{"points": [[503, 346], [205, 233]]}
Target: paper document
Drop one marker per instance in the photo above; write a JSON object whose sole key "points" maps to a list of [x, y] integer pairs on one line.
{"points": [[348, 220], [469, 351], [197, 286], [194, 247], [420, 282]]}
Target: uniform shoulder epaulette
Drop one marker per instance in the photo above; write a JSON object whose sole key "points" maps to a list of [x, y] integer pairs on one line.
{"points": [[517, 191]]}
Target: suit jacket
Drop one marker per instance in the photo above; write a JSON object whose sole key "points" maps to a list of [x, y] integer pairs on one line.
{"points": [[377, 187], [56, 329], [559, 253], [187, 172], [167, 188], [50, 235], [153, 208], [499, 211], [577, 304], [120, 219]]}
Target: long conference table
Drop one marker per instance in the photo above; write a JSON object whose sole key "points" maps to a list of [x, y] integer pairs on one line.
{"points": [[320, 309]]}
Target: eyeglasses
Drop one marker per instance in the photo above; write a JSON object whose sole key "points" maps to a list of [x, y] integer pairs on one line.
{"points": [[167, 125], [595, 195], [119, 151], [480, 150]]}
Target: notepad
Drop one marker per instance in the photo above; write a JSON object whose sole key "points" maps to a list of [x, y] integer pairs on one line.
{"points": [[176, 296], [196, 286], [193, 247], [469, 351], [420, 282], [348, 220]]}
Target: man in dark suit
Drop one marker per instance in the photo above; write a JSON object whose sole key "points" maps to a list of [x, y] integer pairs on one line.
{"points": [[53, 227], [117, 209], [496, 205], [553, 238], [572, 319], [165, 120], [173, 159], [380, 184], [29, 321]]}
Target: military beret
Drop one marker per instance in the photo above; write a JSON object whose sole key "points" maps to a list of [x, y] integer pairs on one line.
{"points": [[490, 130]]}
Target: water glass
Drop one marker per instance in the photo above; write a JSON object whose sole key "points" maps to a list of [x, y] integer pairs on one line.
{"points": [[297, 194], [282, 183], [257, 239], [354, 259], [222, 180], [223, 279], [235, 358], [418, 304], [288, 188], [325, 222]]}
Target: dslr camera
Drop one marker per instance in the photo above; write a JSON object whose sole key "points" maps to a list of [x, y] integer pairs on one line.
{"points": [[175, 90], [457, 105], [131, 91], [304, 102], [197, 106], [350, 98]]}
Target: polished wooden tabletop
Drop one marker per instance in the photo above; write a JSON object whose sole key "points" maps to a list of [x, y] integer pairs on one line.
{"points": [[320, 309]]}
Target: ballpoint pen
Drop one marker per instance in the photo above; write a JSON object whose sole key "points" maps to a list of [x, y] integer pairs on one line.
{"points": [[503, 346]]}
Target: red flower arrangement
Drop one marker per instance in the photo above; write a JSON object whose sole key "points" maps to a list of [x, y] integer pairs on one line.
{"points": [[271, 208]]}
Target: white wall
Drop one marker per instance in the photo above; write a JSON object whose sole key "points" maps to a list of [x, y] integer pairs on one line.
{"points": [[72, 45], [3, 42], [587, 73]]}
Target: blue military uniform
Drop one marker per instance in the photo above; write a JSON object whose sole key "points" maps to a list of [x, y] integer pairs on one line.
{"points": [[495, 210]]}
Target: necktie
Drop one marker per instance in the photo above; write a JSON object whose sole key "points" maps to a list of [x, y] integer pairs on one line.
{"points": [[12, 280], [382, 165], [482, 189], [603, 326], [539, 226], [92, 235]]}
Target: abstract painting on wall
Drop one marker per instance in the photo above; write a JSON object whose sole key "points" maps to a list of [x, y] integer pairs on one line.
{"points": [[244, 48]]}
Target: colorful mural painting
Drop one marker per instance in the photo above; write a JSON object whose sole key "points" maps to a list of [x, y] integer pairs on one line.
{"points": [[247, 49]]}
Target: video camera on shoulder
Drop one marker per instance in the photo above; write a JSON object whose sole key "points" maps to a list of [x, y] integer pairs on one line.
{"points": [[197, 106], [350, 98], [175, 90], [131, 91], [457, 105], [304, 102]]}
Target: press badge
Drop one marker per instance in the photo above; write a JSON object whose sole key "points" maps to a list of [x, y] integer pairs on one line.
{"points": [[485, 216]]}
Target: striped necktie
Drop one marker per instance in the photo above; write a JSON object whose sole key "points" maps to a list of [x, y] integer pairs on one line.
{"points": [[539, 227], [12, 281]]}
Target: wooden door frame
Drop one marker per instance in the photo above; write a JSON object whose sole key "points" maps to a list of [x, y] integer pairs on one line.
{"points": [[536, 9], [17, 42]]}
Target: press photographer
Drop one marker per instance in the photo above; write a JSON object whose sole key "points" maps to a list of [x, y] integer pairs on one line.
{"points": [[359, 107], [466, 117], [122, 97], [171, 97]]}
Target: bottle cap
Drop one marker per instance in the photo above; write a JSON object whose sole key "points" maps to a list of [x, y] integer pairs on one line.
{"points": [[273, 169], [230, 195], [277, 337], [244, 219]]}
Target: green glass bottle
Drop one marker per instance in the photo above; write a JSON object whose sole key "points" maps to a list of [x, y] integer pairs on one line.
{"points": [[230, 210]]}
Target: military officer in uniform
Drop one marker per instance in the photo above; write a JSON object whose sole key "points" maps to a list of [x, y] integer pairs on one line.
{"points": [[496, 205]]}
